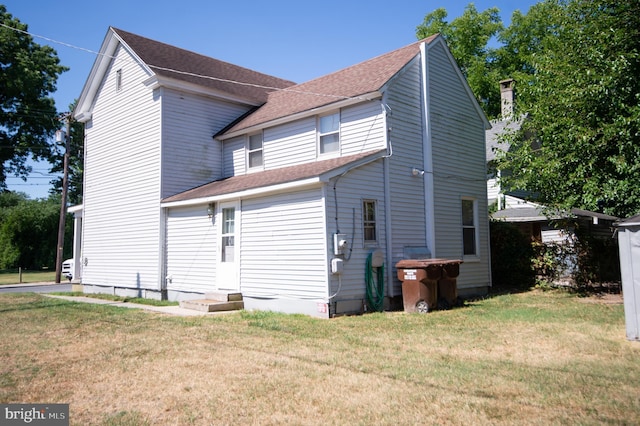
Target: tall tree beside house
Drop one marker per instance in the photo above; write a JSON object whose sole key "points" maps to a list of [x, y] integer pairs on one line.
{"points": [[583, 105], [28, 117], [468, 38]]}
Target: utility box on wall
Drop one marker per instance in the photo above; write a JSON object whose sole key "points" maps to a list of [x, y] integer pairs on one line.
{"points": [[629, 245]]}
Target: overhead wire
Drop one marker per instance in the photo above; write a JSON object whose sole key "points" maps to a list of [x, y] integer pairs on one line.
{"points": [[157, 67]]}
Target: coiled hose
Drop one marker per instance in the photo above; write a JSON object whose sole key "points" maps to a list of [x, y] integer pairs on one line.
{"points": [[375, 288]]}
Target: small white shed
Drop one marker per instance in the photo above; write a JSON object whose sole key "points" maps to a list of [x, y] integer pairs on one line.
{"points": [[629, 244]]}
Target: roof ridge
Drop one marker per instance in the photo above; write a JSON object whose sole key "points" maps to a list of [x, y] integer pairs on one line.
{"points": [[193, 67]]}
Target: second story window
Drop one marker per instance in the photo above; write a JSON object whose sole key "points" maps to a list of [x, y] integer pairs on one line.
{"points": [[118, 80], [329, 133], [254, 151]]}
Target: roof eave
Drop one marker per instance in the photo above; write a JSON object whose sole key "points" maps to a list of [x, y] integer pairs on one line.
{"points": [[112, 40], [366, 97], [155, 81]]}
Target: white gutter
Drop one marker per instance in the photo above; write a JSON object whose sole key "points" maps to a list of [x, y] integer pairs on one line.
{"points": [[429, 201], [247, 193], [387, 199]]}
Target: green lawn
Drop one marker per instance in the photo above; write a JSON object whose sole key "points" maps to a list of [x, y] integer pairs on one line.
{"points": [[13, 276], [526, 358]]}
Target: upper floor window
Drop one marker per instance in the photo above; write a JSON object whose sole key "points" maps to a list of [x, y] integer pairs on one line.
{"points": [[469, 228], [369, 221], [254, 151], [118, 80], [329, 133]]}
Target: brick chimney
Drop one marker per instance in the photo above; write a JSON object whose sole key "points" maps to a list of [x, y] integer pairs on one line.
{"points": [[507, 98]]}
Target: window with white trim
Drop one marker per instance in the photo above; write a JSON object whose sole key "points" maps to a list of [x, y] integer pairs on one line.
{"points": [[369, 225], [469, 227], [329, 133], [254, 151]]}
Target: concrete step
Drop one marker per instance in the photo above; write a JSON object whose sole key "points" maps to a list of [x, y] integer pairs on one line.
{"points": [[212, 305], [224, 296]]}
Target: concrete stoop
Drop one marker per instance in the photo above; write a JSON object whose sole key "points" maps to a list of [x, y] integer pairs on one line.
{"points": [[215, 302]]}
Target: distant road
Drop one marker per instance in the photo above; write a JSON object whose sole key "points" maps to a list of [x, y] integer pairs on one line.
{"points": [[35, 288]]}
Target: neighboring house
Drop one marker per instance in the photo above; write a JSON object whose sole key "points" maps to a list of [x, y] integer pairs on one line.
{"points": [[553, 227], [203, 176], [513, 206], [506, 124]]}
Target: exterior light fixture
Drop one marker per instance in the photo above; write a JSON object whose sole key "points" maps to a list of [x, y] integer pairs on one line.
{"points": [[211, 210], [417, 172]]}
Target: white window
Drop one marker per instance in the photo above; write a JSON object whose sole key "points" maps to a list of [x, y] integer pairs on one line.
{"points": [[118, 80], [329, 133], [254, 151], [469, 227], [369, 221]]}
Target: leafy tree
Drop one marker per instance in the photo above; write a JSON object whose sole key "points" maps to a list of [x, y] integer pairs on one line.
{"points": [[28, 74], [28, 234], [583, 106], [523, 40], [468, 38]]}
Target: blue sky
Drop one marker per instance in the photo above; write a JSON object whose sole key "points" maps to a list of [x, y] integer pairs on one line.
{"points": [[296, 40]]}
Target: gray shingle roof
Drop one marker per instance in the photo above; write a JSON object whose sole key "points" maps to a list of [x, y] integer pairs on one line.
{"points": [[365, 77], [268, 177], [162, 58]]}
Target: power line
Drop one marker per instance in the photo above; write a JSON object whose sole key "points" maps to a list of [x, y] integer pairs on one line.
{"points": [[303, 92]]}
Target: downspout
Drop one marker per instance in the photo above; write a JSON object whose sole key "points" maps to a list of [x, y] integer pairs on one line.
{"points": [[387, 198], [427, 147]]}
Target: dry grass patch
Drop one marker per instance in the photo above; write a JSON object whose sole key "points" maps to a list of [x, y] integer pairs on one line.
{"points": [[532, 358]]}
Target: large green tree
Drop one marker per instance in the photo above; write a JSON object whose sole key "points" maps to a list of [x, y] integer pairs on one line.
{"points": [[28, 118], [28, 231], [468, 39], [583, 108]]}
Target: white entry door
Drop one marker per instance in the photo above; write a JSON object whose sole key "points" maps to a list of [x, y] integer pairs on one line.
{"points": [[228, 247]]}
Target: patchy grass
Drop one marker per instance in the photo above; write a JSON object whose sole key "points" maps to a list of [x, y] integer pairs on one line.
{"points": [[530, 358], [13, 277], [103, 296]]}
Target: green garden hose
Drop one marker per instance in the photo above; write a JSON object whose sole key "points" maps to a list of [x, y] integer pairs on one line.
{"points": [[375, 290]]}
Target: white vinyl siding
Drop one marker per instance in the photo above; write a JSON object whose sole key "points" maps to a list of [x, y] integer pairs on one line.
{"points": [[366, 182], [191, 157], [362, 128], [459, 156], [122, 220], [407, 191], [283, 251], [234, 157], [191, 243], [290, 144]]}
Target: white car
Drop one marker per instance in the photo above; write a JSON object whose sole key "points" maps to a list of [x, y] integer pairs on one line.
{"points": [[67, 269]]}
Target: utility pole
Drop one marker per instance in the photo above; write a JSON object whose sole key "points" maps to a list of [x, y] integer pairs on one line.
{"points": [[65, 188]]}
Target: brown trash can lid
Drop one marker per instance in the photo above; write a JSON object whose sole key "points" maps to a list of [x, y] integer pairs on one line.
{"points": [[426, 263]]}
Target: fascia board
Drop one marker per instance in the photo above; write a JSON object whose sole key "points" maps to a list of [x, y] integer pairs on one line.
{"points": [[255, 192], [83, 110], [156, 81]]}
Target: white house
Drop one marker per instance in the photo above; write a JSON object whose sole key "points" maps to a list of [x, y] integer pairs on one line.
{"points": [[202, 176]]}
